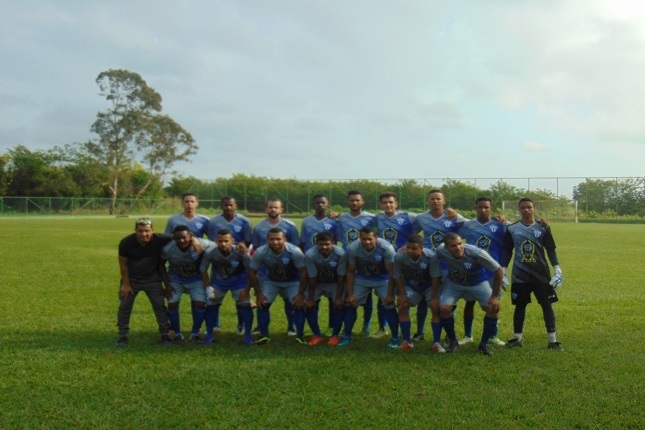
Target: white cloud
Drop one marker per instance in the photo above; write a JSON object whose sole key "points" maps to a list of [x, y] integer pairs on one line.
{"points": [[535, 146]]}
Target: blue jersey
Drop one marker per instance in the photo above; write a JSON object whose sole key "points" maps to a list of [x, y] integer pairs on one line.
{"points": [[240, 227], [488, 236], [471, 269], [326, 270], [415, 273], [530, 243], [183, 266], [197, 225], [370, 266], [261, 229], [227, 271], [349, 227], [311, 226], [282, 267], [396, 228], [434, 229]]}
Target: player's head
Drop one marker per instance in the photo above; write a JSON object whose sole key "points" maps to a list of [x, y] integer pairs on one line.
{"points": [[355, 200], [228, 205], [436, 199], [483, 205], [454, 244], [276, 239], [274, 208], [388, 202], [224, 240], [190, 202], [527, 208], [324, 243], [182, 236], [368, 238], [414, 245], [143, 230], [320, 204]]}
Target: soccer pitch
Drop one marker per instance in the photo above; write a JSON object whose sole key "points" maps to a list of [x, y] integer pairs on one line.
{"points": [[60, 368]]}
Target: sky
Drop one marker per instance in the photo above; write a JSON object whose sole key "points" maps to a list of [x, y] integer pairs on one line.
{"points": [[345, 89]]}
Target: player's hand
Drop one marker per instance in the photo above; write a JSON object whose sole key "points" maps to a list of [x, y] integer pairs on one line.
{"points": [[403, 248], [556, 281], [338, 303], [210, 293], [241, 248], [403, 302], [261, 300], [197, 246], [434, 304], [388, 300], [500, 218], [351, 300], [243, 296], [167, 292], [125, 290], [451, 213], [543, 222], [298, 301], [493, 304], [334, 215], [310, 304]]}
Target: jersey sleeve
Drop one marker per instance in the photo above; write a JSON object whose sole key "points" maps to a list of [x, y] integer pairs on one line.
{"points": [[396, 271], [310, 264], [206, 260], [298, 258], [389, 254], [342, 265], [487, 261], [257, 260]]}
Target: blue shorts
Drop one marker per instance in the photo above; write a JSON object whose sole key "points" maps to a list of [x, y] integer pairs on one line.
{"points": [[286, 290], [327, 290], [196, 289], [364, 288], [453, 292], [221, 292]]}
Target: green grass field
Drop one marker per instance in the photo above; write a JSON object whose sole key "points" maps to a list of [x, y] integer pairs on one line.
{"points": [[60, 368]]}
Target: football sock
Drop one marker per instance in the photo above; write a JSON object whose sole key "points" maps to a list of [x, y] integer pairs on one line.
{"points": [[422, 315], [517, 336], [392, 321], [489, 326], [468, 325], [448, 325], [299, 321], [288, 312], [405, 330], [240, 317], [436, 331], [495, 331], [518, 318], [247, 318], [217, 308], [312, 320], [264, 318], [549, 316], [380, 314], [552, 337], [210, 317], [367, 311], [198, 320], [350, 320], [173, 318], [337, 320]]}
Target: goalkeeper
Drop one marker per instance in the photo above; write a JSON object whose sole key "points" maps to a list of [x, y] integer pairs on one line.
{"points": [[531, 274]]}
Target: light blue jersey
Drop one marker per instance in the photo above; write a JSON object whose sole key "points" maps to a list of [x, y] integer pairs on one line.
{"points": [[472, 269], [415, 273], [326, 270], [240, 227], [227, 271], [311, 226], [434, 229], [183, 266], [488, 236], [396, 228], [370, 266], [349, 227], [261, 229], [283, 267], [197, 225]]}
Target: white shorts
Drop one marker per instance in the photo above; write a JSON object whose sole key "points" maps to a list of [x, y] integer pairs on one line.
{"points": [[453, 292]]}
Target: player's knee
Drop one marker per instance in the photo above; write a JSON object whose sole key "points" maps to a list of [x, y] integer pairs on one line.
{"points": [[445, 311], [199, 305]]}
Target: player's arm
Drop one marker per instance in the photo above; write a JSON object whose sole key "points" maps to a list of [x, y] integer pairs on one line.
{"points": [[402, 300], [349, 285], [389, 299], [210, 291], [434, 298], [549, 244], [493, 305], [168, 289], [340, 290], [299, 299], [253, 283], [126, 288], [312, 283]]}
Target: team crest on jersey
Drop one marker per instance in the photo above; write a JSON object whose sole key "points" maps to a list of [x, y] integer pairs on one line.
{"points": [[333, 263], [234, 264], [458, 277], [327, 226], [484, 243], [528, 252], [537, 233], [423, 266], [400, 221], [378, 258], [493, 228], [448, 224], [436, 238], [364, 222], [468, 265], [199, 225], [390, 235], [237, 229], [285, 260], [352, 235]]}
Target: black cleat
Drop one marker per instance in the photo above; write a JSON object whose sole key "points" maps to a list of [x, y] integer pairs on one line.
{"points": [[556, 346], [514, 343], [122, 341], [485, 350], [165, 339], [453, 346]]}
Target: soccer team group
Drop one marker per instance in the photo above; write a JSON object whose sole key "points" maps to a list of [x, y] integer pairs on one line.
{"points": [[347, 258]]}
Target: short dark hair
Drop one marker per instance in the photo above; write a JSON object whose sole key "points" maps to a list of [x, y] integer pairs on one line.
{"points": [[224, 232], [415, 239], [435, 190], [484, 199], [354, 193], [324, 236], [524, 200], [451, 236], [183, 196], [181, 227], [275, 230], [274, 199], [319, 196], [368, 230], [386, 195], [227, 198]]}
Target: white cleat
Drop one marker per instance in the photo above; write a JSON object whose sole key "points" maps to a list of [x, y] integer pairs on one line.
{"points": [[465, 340], [438, 348], [496, 341]]}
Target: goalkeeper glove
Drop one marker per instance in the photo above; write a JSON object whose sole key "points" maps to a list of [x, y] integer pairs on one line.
{"points": [[556, 281], [505, 282]]}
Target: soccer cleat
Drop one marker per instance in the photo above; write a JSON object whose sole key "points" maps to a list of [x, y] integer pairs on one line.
{"points": [[301, 341], [418, 336], [178, 337], [333, 341], [255, 331], [496, 341], [485, 350], [556, 346], [195, 338], [329, 332], [465, 340], [240, 330], [165, 339], [346, 341], [208, 340], [291, 332], [514, 343], [407, 345], [366, 332], [122, 341], [453, 347], [394, 344], [248, 340], [437, 347], [262, 341], [379, 334], [316, 340]]}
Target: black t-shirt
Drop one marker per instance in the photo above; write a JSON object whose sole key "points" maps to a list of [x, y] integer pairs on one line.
{"points": [[143, 261]]}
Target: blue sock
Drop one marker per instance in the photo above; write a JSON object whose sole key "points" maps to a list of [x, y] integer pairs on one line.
{"points": [[299, 321], [494, 334], [405, 330], [337, 318], [264, 318], [247, 321], [393, 322], [173, 318], [422, 315], [350, 320], [312, 319], [367, 311], [490, 324], [448, 325], [468, 325], [436, 331], [380, 314], [198, 320], [210, 316], [240, 317], [288, 312]]}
